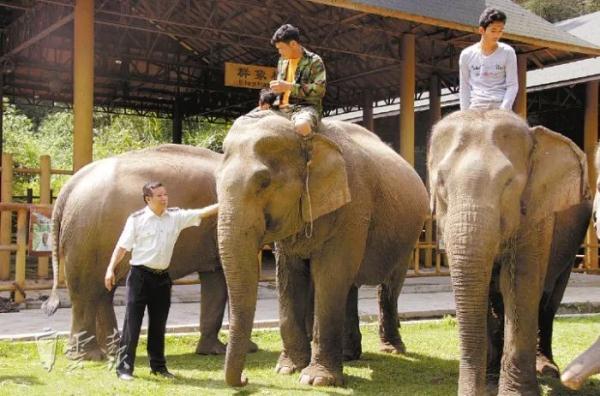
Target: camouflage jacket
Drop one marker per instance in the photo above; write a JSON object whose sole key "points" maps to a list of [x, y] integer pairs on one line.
{"points": [[310, 80]]}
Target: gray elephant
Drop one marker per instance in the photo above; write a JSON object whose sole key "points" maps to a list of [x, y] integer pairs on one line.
{"points": [[89, 215], [588, 362], [350, 217], [512, 204]]}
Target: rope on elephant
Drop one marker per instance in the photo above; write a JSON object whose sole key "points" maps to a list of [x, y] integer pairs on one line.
{"points": [[308, 230]]}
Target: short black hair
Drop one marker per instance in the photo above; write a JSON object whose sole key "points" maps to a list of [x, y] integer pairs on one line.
{"points": [[285, 34], [491, 15], [148, 189], [266, 96]]}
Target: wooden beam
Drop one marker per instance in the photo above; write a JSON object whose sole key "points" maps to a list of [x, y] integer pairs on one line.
{"points": [[83, 83], [520, 105], [368, 112], [435, 104], [407, 99], [590, 140]]}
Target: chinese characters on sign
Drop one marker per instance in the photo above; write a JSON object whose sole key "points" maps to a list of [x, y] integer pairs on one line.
{"points": [[40, 231], [249, 76]]}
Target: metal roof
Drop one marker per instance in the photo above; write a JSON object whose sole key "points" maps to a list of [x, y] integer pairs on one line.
{"points": [[151, 54]]}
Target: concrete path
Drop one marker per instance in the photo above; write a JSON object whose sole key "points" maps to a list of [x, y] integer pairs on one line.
{"points": [[421, 298]]}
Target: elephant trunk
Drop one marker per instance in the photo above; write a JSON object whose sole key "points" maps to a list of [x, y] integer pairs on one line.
{"points": [[239, 257], [471, 233]]}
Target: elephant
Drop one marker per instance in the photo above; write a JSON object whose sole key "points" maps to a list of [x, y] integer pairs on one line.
{"points": [[512, 205], [588, 362], [343, 210], [89, 215]]}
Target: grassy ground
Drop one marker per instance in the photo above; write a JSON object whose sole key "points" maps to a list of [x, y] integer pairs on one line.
{"points": [[430, 367]]}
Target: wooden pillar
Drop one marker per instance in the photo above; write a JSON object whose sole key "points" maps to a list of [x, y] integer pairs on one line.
{"points": [[21, 254], [177, 121], [83, 83], [435, 104], [520, 105], [368, 112], [590, 140], [1, 111], [407, 99], [6, 217], [44, 199]]}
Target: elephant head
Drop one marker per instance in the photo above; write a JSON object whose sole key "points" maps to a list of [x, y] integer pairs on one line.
{"points": [[491, 177], [265, 194]]}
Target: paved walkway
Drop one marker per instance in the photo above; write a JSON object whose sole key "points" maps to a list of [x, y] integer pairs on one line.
{"points": [[421, 298]]}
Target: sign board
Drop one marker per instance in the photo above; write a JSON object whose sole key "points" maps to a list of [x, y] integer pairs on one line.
{"points": [[248, 76], [40, 231]]}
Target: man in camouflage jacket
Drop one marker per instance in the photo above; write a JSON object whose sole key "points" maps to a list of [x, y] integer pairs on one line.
{"points": [[301, 80]]}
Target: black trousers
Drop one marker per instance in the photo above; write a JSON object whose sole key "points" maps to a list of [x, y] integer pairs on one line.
{"points": [[145, 289]]}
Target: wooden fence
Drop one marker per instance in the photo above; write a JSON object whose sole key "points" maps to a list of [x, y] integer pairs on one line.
{"points": [[427, 259]]}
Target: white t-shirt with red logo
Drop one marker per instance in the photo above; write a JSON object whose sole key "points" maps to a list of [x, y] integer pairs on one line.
{"points": [[488, 81]]}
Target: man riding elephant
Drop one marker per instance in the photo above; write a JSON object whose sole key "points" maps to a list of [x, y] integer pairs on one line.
{"points": [[301, 80]]}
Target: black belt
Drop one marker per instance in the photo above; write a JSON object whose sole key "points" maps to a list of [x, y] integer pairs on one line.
{"points": [[152, 270]]}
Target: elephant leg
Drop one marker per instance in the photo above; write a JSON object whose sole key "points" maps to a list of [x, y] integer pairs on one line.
{"points": [[549, 304], [83, 343], [107, 331], [293, 284], [521, 285], [213, 299], [352, 336], [495, 328], [389, 324], [333, 272]]}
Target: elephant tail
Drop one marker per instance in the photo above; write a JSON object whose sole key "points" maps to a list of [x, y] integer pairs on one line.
{"points": [[50, 306]]}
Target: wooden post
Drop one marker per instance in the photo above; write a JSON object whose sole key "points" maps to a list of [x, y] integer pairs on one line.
{"points": [[407, 99], [44, 199], [6, 217], [520, 105], [435, 104], [177, 122], [83, 83], [590, 141], [21, 253], [368, 112]]}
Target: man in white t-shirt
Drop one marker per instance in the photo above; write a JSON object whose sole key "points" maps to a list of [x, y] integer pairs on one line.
{"points": [[150, 234], [488, 69]]}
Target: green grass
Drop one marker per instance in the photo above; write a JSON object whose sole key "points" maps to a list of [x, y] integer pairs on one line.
{"points": [[430, 367]]}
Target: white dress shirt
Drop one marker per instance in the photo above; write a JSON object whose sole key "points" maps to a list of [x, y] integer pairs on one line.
{"points": [[151, 238], [488, 81]]}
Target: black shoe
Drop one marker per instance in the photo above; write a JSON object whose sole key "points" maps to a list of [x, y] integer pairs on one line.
{"points": [[163, 373], [124, 376]]}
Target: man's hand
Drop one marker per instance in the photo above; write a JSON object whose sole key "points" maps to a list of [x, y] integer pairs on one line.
{"points": [[280, 86], [109, 278], [209, 210]]}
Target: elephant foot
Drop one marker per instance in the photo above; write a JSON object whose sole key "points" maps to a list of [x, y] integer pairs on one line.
{"points": [[319, 375], [396, 347], [352, 353], [520, 390], [286, 366], [252, 347], [210, 347], [546, 367], [93, 354]]}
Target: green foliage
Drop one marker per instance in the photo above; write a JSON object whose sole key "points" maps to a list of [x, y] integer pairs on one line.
{"points": [[558, 10], [32, 132], [429, 368]]}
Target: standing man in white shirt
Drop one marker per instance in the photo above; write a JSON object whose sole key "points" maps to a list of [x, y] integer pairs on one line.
{"points": [[150, 234], [488, 69]]}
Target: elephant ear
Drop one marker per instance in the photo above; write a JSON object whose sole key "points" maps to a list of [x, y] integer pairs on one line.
{"points": [[557, 175], [327, 188]]}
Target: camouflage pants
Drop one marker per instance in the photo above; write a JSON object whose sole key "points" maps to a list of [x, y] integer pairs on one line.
{"points": [[299, 113]]}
